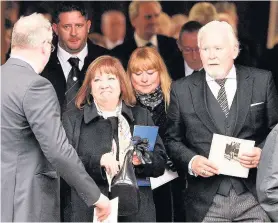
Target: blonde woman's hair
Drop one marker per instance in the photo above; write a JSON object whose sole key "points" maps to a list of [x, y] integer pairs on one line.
{"points": [[133, 9], [203, 12], [146, 58], [108, 65], [31, 31]]}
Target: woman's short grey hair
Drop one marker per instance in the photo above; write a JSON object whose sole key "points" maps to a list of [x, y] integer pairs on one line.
{"points": [[223, 27], [133, 9], [31, 31]]}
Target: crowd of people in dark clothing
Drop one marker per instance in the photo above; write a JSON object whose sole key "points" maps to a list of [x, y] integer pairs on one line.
{"points": [[201, 80]]}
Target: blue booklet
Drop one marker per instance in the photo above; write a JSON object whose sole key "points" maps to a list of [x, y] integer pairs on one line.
{"points": [[149, 132]]}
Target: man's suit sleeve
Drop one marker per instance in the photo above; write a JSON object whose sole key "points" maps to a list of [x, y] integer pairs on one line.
{"points": [[42, 111], [176, 130], [267, 176], [271, 106]]}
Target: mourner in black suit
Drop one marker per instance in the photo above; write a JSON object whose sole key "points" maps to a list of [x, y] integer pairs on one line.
{"points": [[71, 25], [246, 108], [144, 18], [190, 62]]}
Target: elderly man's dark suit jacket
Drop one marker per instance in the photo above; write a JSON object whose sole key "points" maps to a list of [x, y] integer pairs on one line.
{"points": [[167, 48], [190, 128], [54, 72]]}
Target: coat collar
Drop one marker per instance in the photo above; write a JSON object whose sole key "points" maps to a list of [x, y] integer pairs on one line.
{"points": [[90, 112]]}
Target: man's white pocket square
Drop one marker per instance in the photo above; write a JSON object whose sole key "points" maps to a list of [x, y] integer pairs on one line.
{"points": [[255, 104]]}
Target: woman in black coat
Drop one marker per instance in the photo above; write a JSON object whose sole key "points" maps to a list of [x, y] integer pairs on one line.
{"points": [[151, 83], [100, 130]]}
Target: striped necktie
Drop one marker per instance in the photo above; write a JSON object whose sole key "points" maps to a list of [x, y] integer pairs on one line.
{"points": [[222, 97], [72, 84]]}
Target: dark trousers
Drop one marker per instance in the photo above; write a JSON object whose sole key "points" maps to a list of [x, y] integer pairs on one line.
{"points": [[168, 200], [147, 208]]}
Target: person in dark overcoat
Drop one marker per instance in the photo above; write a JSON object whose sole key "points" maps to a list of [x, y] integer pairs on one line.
{"points": [[151, 83], [100, 129]]}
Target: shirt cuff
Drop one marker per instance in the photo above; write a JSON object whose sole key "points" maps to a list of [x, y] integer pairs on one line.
{"points": [[101, 198], [190, 171]]}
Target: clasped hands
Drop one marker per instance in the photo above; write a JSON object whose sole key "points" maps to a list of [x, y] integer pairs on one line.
{"points": [[206, 168]]}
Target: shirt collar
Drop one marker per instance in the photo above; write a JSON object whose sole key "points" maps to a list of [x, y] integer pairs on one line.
{"points": [[141, 42], [64, 55], [231, 75], [110, 45], [25, 60], [91, 112]]}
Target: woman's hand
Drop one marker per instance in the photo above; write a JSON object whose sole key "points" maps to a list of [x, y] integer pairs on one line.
{"points": [[110, 164], [135, 160]]}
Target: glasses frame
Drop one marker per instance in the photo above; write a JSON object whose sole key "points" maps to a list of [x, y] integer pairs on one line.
{"points": [[52, 46], [190, 50]]}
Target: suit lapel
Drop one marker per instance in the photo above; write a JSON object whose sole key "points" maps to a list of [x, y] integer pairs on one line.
{"points": [[199, 98], [244, 95]]}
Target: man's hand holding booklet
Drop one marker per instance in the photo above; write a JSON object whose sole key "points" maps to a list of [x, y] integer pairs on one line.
{"points": [[225, 152]]}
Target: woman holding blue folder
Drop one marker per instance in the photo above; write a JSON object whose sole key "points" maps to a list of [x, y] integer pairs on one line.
{"points": [[151, 83], [100, 129]]}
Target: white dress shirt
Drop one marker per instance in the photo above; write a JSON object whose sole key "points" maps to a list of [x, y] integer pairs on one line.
{"points": [[63, 57], [110, 45], [230, 88], [25, 60], [188, 70], [141, 42]]}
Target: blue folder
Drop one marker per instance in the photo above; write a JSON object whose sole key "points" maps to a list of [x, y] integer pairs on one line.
{"points": [[149, 132]]}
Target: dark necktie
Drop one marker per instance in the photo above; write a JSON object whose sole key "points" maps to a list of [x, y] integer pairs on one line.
{"points": [[72, 84], [195, 71], [149, 44], [222, 97]]}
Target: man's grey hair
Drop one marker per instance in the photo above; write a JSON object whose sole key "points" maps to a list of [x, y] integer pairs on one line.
{"points": [[31, 31], [133, 9], [223, 27]]}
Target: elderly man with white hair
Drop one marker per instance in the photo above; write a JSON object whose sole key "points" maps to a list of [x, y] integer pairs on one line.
{"points": [[225, 99], [34, 149]]}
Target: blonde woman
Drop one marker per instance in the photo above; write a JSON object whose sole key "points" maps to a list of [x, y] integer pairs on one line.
{"points": [[151, 83]]}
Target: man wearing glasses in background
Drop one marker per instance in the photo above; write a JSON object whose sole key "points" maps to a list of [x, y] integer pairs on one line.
{"points": [[188, 45]]}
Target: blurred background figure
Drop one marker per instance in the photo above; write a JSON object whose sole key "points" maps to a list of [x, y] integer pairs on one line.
{"points": [[144, 17], [178, 20], [12, 11], [203, 12], [97, 39], [39, 9], [113, 27], [227, 12], [151, 83], [249, 52], [165, 25], [188, 45], [8, 37]]}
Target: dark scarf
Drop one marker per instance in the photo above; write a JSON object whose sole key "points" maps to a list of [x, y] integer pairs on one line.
{"points": [[150, 100]]}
